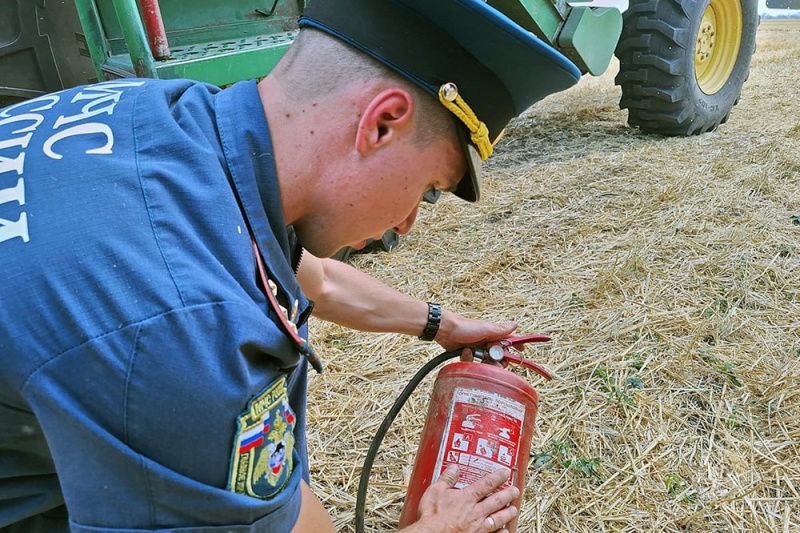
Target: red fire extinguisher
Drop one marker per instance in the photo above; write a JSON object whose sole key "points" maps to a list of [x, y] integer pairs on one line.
{"points": [[481, 418]]}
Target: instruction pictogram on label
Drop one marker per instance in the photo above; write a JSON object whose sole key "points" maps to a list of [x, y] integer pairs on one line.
{"points": [[482, 434]]}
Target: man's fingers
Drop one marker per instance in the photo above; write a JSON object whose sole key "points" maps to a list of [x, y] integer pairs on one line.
{"points": [[501, 498], [467, 355], [450, 476], [488, 483], [507, 328], [498, 521], [478, 507]]}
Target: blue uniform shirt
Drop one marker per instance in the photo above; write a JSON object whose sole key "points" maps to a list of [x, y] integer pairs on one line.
{"points": [[144, 381]]}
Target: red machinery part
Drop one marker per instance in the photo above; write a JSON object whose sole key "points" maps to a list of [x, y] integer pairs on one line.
{"points": [[481, 417], [154, 24]]}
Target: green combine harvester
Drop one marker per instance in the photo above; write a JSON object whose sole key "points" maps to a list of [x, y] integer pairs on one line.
{"points": [[682, 63]]}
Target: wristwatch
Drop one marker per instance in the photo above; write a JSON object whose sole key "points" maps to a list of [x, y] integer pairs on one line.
{"points": [[434, 321]]}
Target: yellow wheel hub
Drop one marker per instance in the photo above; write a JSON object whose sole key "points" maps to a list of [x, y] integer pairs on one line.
{"points": [[718, 41]]}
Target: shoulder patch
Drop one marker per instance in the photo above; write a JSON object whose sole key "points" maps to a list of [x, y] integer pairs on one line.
{"points": [[261, 461]]}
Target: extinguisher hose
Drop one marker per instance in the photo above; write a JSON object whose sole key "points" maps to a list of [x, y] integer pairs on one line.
{"points": [[384, 427]]}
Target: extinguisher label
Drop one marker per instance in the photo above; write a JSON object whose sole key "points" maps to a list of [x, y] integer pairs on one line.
{"points": [[482, 434]]}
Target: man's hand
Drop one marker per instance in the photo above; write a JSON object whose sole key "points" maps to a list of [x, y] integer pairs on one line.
{"points": [[456, 331], [473, 509]]}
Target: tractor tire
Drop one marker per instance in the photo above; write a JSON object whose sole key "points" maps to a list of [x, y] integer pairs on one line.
{"points": [[683, 62]]}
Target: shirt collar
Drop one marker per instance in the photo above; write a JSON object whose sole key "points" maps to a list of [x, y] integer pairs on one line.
{"points": [[247, 145]]}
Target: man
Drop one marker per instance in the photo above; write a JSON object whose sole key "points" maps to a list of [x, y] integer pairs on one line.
{"points": [[152, 338]]}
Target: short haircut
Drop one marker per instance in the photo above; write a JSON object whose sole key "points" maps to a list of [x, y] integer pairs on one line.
{"points": [[318, 64]]}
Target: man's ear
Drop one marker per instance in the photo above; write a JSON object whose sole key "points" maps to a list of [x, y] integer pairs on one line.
{"points": [[386, 117]]}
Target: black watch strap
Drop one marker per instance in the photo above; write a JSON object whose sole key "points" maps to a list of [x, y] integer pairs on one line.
{"points": [[434, 321]]}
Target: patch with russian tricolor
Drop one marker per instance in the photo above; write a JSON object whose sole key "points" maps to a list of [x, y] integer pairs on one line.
{"points": [[261, 461]]}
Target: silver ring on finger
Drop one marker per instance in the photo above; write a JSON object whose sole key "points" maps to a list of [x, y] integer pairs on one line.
{"points": [[490, 523]]}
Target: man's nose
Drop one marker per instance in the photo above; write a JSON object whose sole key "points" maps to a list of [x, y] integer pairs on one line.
{"points": [[404, 227]]}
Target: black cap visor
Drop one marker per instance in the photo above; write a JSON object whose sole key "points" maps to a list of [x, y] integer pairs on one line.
{"points": [[469, 188]]}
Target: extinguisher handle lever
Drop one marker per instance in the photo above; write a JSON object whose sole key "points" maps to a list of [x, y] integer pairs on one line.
{"points": [[518, 360], [518, 343]]}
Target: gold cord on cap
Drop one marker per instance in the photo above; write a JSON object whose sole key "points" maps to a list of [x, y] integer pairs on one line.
{"points": [[479, 133]]}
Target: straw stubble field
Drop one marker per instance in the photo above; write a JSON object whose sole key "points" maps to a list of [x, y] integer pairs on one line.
{"points": [[666, 270]]}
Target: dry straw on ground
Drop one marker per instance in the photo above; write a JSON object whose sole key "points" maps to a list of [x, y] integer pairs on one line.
{"points": [[667, 272]]}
